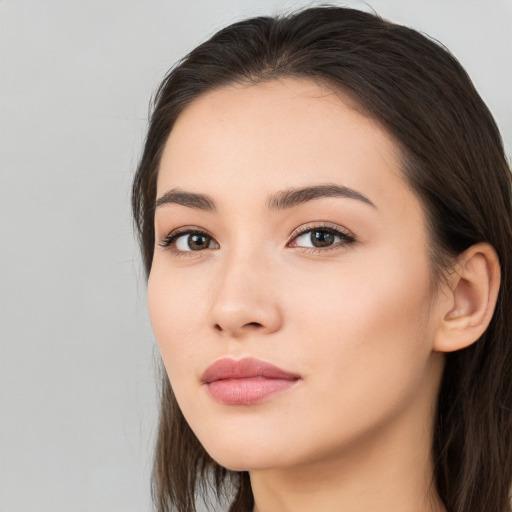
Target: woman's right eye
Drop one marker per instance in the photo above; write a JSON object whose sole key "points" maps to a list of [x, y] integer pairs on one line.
{"points": [[188, 241]]}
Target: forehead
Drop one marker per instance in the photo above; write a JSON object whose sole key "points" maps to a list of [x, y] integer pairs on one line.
{"points": [[274, 135]]}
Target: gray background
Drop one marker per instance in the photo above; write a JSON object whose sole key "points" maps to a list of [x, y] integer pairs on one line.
{"points": [[77, 392]]}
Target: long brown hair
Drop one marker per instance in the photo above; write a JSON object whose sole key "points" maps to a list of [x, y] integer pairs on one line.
{"points": [[453, 159]]}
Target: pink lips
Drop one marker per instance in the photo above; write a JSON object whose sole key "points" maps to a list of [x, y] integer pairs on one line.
{"points": [[245, 381]]}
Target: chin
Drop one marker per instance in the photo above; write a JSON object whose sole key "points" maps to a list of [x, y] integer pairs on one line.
{"points": [[247, 454], [234, 460]]}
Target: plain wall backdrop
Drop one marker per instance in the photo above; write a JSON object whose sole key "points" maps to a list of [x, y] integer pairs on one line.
{"points": [[77, 386]]}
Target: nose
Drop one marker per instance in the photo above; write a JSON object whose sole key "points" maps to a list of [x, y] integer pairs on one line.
{"points": [[245, 298]]}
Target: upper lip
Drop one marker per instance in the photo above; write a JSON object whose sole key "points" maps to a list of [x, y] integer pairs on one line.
{"points": [[246, 368]]}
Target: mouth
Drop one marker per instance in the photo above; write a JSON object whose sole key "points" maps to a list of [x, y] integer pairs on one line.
{"points": [[245, 381]]}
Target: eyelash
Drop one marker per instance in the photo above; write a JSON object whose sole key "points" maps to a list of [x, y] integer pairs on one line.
{"points": [[347, 239]]}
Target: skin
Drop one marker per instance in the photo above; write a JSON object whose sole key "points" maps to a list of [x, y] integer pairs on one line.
{"points": [[358, 321]]}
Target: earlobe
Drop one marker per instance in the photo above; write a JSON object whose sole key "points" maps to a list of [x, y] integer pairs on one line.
{"points": [[470, 300]]}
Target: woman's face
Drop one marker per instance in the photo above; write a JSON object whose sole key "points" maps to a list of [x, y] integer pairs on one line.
{"points": [[308, 253]]}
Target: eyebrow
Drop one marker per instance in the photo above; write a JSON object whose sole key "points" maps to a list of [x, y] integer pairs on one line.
{"points": [[296, 196], [190, 199], [279, 201]]}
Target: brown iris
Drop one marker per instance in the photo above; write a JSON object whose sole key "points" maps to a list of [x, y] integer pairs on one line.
{"points": [[322, 238], [198, 242]]}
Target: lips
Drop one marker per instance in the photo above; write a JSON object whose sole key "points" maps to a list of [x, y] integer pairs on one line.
{"points": [[245, 381]]}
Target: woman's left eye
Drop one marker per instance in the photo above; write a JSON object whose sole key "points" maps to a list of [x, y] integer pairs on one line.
{"points": [[322, 237]]}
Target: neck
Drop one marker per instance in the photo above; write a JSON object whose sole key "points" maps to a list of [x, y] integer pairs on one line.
{"points": [[385, 480]]}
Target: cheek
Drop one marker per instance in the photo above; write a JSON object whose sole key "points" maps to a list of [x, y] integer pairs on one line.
{"points": [[174, 307], [371, 335]]}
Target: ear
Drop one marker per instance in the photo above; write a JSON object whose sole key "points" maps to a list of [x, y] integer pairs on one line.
{"points": [[470, 298]]}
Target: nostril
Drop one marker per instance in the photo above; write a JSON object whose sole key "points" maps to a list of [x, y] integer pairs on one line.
{"points": [[253, 324]]}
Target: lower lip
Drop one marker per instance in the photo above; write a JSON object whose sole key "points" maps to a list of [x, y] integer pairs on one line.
{"points": [[247, 391]]}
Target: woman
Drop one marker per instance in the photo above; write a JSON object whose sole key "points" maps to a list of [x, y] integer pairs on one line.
{"points": [[324, 211]]}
